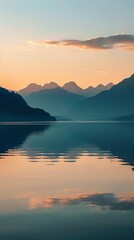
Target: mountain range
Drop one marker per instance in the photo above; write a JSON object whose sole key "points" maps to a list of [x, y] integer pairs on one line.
{"points": [[33, 87], [14, 108], [70, 87], [88, 92], [107, 105], [56, 101], [117, 103]]}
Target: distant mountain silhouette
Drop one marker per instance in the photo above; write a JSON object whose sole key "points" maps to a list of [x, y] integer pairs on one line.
{"points": [[14, 108], [108, 105], [92, 91], [57, 101], [88, 92], [73, 87], [50, 85], [33, 87], [70, 87]]}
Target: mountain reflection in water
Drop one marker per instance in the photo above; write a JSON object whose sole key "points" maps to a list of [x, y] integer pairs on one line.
{"points": [[66, 181], [70, 140]]}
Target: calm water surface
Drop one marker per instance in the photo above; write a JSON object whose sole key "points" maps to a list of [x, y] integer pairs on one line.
{"points": [[67, 181]]}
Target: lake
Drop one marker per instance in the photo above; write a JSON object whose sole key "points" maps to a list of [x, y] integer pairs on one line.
{"points": [[67, 181]]}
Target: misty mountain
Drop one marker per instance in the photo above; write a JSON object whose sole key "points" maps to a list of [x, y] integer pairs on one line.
{"points": [[33, 87], [14, 108], [50, 85], [88, 92], [92, 91], [108, 105], [73, 87], [70, 87], [57, 101]]}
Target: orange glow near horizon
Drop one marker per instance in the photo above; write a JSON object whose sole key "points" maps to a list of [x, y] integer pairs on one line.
{"points": [[61, 41], [22, 65]]}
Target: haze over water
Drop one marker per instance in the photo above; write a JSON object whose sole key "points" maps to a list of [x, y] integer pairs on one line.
{"points": [[67, 181]]}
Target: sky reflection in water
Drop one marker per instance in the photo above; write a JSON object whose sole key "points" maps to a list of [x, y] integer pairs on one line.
{"points": [[66, 181]]}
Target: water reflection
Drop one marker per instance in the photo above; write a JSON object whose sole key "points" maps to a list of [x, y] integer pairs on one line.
{"points": [[124, 202], [67, 181], [13, 136], [73, 140]]}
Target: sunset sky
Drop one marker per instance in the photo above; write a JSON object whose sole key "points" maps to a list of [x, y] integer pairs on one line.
{"points": [[86, 41]]}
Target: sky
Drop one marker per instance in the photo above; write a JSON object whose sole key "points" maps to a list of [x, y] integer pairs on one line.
{"points": [[86, 41]]}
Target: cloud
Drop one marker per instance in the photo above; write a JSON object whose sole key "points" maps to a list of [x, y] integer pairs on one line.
{"points": [[123, 41]]}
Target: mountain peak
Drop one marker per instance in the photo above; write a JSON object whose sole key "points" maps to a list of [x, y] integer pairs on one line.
{"points": [[100, 86], [32, 87], [69, 86], [72, 87], [109, 85], [50, 85], [71, 83]]}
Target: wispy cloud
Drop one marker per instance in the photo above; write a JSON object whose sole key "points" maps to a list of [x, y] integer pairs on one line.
{"points": [[33, 43], [123, 41]]}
